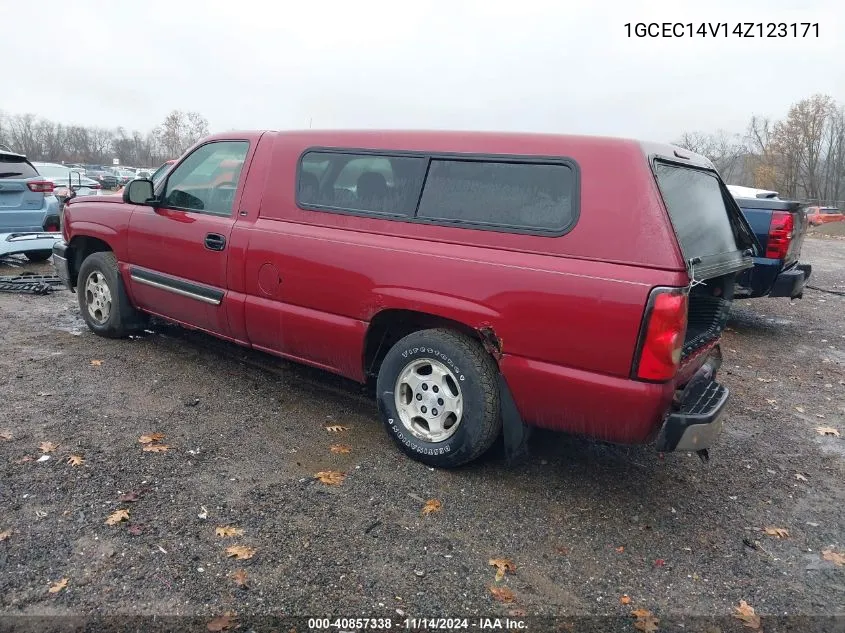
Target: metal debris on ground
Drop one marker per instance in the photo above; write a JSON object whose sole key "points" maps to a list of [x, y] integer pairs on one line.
{"points": [[30, 283]]}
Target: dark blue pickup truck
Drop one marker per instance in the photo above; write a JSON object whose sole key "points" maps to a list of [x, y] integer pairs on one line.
{"points": [[780, 226]]}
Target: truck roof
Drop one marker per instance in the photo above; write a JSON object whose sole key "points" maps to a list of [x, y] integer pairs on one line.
{"points": [[476, 142]]}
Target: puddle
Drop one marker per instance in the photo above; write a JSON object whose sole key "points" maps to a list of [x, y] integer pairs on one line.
{"points": [[71, 323]]}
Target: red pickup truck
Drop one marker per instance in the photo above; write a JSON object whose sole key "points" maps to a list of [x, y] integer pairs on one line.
{"points": [[482, 280]]}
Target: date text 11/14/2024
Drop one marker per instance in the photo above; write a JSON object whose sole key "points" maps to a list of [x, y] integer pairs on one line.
{"points": [[344, 625], [722, 29]]}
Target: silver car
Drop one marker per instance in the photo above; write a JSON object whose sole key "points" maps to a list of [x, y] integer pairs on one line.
{"points": [[64, 179]]}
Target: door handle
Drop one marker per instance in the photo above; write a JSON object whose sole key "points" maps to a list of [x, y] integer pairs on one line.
{"points": [[215, 242]]}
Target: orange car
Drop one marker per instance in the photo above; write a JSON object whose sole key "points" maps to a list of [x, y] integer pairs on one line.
{"points": [[822, 215]]}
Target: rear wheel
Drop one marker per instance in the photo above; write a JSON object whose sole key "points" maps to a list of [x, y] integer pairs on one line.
{"points": [[102, 297], [439, 397], [38, 256]]}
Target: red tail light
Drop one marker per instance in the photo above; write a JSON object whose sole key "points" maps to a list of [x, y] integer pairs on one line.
{"points": [[40, 186], [663, 340], [780, 234]]}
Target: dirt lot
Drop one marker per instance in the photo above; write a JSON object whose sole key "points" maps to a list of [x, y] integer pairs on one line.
{"points": [[584, 523]]}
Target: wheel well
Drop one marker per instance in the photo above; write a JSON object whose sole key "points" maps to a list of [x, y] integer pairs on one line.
{"points": [[389, 326], [83, 246]]}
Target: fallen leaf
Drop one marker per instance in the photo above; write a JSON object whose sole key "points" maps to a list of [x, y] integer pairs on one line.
{"points": [[228, 530], [241, 552], [75, 460], [151, 437], [5, 435], [56, 587], [800, 477], [47, 447], [502, 594], [222, 623], [745, 612], [799, 409], [625, 599], [118, 516], [5, 534], [240, 578], [340, 449], [336, 428], [330, 477], [834, 557], [96, 363], [502, 565], [646, 621], [659, 562], [156, 448], [620, 549], [136, 530], [827, 430], [130, 497], [431, 506], [776, 531]]}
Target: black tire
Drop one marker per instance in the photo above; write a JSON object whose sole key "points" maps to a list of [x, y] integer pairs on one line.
{"points": [[38, 256], [122, 318], [469, 362]]}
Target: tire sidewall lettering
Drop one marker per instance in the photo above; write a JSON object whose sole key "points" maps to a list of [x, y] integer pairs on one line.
{"points": [[424, 450], [413, 351]]}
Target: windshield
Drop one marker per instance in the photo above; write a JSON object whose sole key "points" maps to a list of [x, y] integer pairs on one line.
{"points": [[159, 173]]}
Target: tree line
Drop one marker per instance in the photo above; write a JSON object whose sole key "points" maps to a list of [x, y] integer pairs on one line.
{"points": [[44, 140], [801, 156]]}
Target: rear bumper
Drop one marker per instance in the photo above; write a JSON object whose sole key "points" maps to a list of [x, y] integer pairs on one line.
{"points": [[14, 243], [697, 419], [790, 283], [60, 256]]}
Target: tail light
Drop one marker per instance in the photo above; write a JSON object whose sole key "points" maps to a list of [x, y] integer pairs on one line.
{"points": [[40, 186], [780, 234], [662, 340]]}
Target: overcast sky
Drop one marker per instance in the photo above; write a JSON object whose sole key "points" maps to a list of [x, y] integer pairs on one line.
{"points": [[565, 66]]}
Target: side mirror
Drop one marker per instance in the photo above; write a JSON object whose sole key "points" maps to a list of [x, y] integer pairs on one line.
{"points": [[138, 191]]}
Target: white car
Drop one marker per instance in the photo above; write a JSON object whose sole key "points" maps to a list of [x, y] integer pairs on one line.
{"points": [[64, 177], [750, 192]]}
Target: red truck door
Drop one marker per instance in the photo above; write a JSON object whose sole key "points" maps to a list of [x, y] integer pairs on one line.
{"points": [[178, 249]]}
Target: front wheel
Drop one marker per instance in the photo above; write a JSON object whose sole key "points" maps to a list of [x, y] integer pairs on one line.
{"points": [[439, 398], [102, 297]]}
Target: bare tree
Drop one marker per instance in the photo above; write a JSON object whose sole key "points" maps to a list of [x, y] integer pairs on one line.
{"points": [[180, 130], [22, 134], [725, 150]]}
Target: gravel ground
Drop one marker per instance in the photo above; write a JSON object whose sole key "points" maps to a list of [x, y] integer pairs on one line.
{"points": [[586, 524]]}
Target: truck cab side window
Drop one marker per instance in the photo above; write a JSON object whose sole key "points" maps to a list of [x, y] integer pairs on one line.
{"points": [[206, 180]]}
